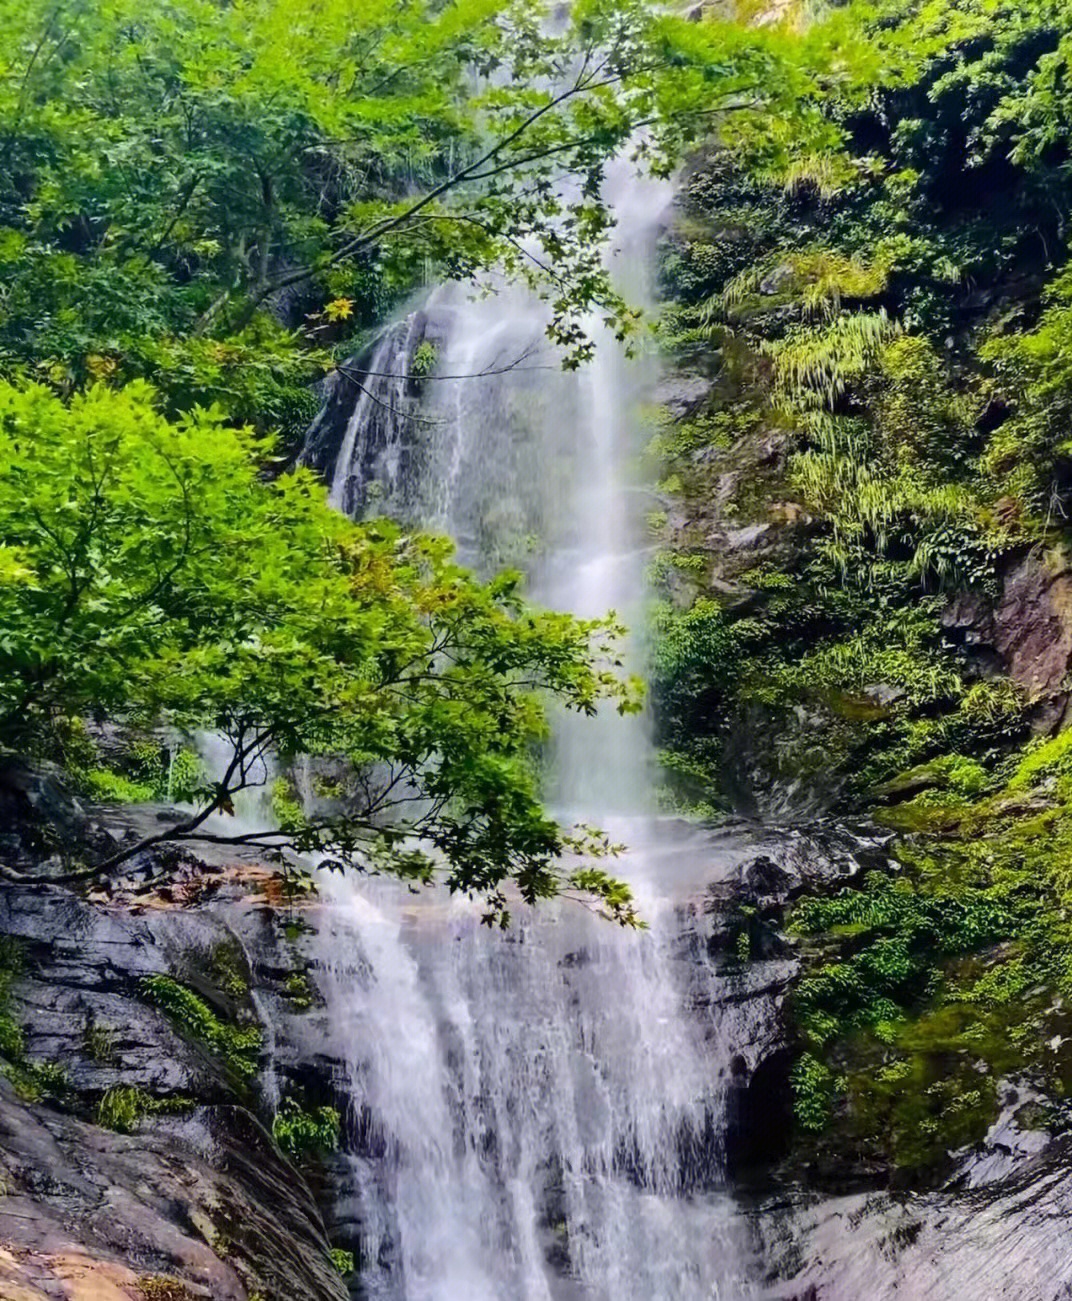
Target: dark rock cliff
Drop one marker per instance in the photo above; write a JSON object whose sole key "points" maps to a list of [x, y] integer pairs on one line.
{"points": [[134, 1158], [1025, 632]]}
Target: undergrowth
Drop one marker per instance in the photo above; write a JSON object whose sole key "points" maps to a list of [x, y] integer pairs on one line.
{"points": [[122, 1107], [884, 439], [300, 1133], [237, 1047]]}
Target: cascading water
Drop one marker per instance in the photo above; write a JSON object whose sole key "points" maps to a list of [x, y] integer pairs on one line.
{"points": [[537, 1114], [370, 460]]}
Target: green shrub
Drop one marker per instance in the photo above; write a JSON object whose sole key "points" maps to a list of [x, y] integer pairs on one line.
{"points": [[303, 1133], [122, 1107], [98, 1043], [227, 965], [147, 772], [925, 985], [1044, 760], [298, 990], [38, 1081], [32, 1081], [343, 1261], [813, 1091], [113, 788], [425, 359], [238, 1047], [287, 808]]}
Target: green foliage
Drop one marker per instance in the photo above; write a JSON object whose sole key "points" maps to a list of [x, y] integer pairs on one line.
{"points": [[899, 652], [895, 323], [343, 1261], [161, 1287], [237, 1047], [820, 280], [228, 967], [113, 788], [287, 809], [425, 359], [924, 431], [147, 771], [814, 367], [1029, 456], [1043, 762], [185, 777], [174, 171], [302, 1133], [927, 985], [99, 1043], [299, 991], [158, 573], [32, 1081], [38, 1081], [697, 661], [813, 1091], [203, 206], [122, 1107]]}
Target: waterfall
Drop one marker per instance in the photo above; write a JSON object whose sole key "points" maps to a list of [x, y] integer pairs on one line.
{"points": [[370, 463], [536, 1115]]}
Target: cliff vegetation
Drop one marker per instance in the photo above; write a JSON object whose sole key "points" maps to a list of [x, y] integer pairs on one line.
{"points": [[866, 488]]}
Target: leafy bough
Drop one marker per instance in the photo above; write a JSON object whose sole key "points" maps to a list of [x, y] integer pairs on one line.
{"points": [[150, 573]]}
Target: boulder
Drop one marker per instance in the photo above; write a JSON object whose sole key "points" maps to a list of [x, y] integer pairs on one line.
{"points": [[1026, 632], [206, 1202]]}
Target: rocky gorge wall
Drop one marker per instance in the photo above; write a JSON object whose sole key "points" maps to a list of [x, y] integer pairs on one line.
{"points": [[860, 521], [136, 1160], [188, 1195]]}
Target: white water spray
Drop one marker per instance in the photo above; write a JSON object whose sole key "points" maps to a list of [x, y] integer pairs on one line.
{"points": [[536, 1115]]}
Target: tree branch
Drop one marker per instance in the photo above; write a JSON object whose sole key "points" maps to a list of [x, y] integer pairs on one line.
{"points": [[452, 182]]}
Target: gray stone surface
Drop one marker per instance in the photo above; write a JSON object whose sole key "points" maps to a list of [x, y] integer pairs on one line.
{"points": [[207, 1200], [1009, 1241]]}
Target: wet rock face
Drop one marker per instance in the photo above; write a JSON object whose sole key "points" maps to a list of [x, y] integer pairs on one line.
{"points": [[791, 862], [786, 765], [201, 1196], [759, 1118], [740, 929], [205, 1202], [1007, 1241], [374, 374], [1027, 632], [996, 1230], [682, 394], [41, 821], [83, 972]]}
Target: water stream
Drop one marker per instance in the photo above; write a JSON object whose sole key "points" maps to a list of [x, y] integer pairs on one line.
{"points": [[535, 1115]]}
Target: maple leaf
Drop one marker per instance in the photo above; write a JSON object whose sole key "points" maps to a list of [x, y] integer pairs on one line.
{"points": [[339, 309]]}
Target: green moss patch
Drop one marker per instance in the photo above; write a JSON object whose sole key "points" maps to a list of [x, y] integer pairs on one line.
{"points": [[122, 1107], [926, 985], [300, 1133], [237, 1047], [32, 1081]]}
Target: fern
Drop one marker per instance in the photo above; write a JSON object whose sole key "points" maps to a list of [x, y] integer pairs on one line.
{"points": [[818, 279], [813, 367]]}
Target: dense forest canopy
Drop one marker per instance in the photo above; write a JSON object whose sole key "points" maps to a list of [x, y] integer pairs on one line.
{"points": [[193, 174], [203, 207]]}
